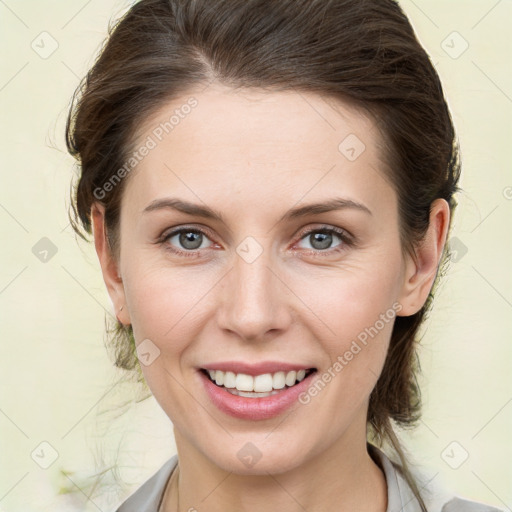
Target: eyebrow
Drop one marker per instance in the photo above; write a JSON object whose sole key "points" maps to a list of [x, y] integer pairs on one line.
{"points": [[206, 212]]}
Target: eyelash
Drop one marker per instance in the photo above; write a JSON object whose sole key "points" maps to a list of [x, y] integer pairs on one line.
{"points": [[347, 241]]}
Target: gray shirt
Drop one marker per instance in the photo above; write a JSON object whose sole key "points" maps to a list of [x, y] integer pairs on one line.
{"points": [[148, 496]]}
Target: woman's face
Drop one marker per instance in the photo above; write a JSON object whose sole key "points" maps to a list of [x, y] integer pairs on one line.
{"points": [[267, 280]]}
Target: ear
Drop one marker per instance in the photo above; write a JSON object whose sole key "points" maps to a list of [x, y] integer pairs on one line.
{"points": [[421, 269], [109, 267]]}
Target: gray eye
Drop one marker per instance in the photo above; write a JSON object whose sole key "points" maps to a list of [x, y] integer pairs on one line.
{"points": [[320, 240], [190, 240], [187, 239]]}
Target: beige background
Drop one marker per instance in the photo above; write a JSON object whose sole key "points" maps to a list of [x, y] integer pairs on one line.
{"points": [[58, 385]]}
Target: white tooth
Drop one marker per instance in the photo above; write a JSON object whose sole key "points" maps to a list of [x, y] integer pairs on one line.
{"points": [[263, 383], [219, 377], [244, 382], [212, 374], [278, 380], [229, 380], [301, 374], [291, 377]]}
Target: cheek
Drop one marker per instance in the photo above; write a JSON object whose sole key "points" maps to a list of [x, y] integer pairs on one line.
{"points": [[357, 316], [351, 300], [164, 304], [354, 316]]}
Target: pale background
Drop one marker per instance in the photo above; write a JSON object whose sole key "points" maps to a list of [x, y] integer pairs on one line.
{"points": [[58, 385]]}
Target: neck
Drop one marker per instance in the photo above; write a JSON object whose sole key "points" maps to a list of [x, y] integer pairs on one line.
{"points": [[343, 478]]}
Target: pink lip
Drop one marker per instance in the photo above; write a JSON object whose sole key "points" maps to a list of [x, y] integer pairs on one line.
{"points": [[255, 368], [254, 408]]}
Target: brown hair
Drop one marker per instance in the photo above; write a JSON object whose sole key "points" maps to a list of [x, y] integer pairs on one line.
{"points": [[361, 51]]}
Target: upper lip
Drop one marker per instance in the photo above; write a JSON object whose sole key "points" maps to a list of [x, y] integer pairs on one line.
{"points": [[255, 368]]}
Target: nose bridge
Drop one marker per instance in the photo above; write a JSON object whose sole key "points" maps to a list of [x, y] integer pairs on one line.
{"points": [[254, 297]]}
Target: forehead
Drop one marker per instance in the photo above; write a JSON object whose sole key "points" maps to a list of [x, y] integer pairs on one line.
{"points": [[253, 117], [249, 139]]}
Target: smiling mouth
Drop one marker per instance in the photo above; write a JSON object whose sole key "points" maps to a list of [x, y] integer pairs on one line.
{"points": [[258, 386]]}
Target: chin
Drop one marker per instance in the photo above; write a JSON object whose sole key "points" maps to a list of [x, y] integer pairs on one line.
{"points": [[246, 457]]}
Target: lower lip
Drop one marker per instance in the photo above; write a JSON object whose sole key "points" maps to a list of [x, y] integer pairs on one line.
{"points": [[254, 408]]}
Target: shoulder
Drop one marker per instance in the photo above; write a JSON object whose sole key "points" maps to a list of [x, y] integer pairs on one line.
{"points": [[148, 496], [437, 499]]}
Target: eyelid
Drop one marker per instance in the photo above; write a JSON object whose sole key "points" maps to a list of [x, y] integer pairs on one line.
{"points": [[341, 232], [167, 233]]}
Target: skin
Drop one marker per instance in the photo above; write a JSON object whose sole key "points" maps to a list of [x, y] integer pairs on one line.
{"points": [[252, 156]]}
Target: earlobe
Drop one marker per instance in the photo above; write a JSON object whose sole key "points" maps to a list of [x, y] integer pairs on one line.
{"points": [[109, 267], [421, 269]]}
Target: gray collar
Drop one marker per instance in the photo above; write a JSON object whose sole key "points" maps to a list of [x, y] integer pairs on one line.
{"points": [[400, 496]]}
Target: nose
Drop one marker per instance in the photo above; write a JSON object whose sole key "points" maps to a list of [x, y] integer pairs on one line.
{"points": [[254, 300]]}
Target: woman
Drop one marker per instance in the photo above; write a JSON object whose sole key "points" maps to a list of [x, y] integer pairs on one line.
{"points": [[270, 187]]}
